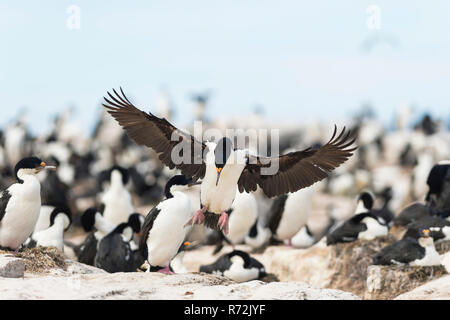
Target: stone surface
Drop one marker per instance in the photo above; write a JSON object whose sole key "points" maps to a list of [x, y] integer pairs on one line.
{"points": [[157, 286], [344, 266], [438, 289], [388, 282], [11, 267]]}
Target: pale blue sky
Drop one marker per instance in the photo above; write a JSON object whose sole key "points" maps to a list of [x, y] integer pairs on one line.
{"points": [[300, 59]]}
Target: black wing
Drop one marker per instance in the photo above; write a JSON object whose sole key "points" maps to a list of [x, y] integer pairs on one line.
{"points": [[88, 250], [114, 255], [349, 230], [221, 264], [145, 230], [297, 170], [158, 134], [427, 223], [276, 213], [403, 251], [4, 199]]}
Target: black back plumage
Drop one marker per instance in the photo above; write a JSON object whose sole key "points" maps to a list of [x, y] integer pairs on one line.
{"points": [[114, 254], [145, 230], [412, 213], [431, 223], [276, 212], [402, 251], [87, 251], [349, 230], [223, 263], [4, 203]]}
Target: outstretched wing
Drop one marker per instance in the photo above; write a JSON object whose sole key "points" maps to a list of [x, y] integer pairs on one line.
{"points": [[158, 134], [296, 170]]}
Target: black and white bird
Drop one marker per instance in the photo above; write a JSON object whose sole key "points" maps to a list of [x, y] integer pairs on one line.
{"points": [[20, 204], [43, 221], [364, 226], [53, 236], [237, 266], [92, 219], [136, 221], [366, 201], [224, 168], [439, 228], [289, 213], [242, 216], [410, 251], [116, 201], [258, 235], [163, 231], [114, 252], [98, 227]]}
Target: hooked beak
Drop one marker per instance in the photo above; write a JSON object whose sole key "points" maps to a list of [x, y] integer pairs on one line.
{"points": [[219, 170], [43, 166]]}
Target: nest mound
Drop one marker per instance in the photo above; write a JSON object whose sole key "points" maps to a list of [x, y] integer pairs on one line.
{"points": [[42, 259]]}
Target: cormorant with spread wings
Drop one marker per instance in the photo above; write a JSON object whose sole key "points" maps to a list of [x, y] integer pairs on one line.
{"points": [[223, 168]]}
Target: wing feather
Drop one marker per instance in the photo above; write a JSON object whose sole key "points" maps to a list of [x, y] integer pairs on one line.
{"points": [[297, 170], [158, 134]]}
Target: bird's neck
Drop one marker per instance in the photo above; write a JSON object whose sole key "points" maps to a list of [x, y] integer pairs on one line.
{"points": [[103, 225]]}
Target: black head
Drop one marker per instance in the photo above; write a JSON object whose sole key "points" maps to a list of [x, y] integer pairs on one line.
{"points": [[244, 255], [124, 229], [124, 173], [387, 193], [31, 164], [88, 219], [64, 210], [222, 152], [424, 233], [135, 222], [367, 199], [178, 180]]}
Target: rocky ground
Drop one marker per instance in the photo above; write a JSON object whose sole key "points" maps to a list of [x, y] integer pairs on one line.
{"points": [[73, 280], [320, 272]]}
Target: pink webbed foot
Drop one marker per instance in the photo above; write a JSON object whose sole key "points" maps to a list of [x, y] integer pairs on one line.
{"points": [[223, 222], [197, 218], [166, 270]]}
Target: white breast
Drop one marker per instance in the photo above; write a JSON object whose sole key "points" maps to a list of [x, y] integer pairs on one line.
{"points": [[44, 218], [118, 205], [51, 237], [374, 229], [245, 210], [431, 258], [218, 198], [22, 212], [296, 213], [168, 232], [302, 239], [238, 273]]}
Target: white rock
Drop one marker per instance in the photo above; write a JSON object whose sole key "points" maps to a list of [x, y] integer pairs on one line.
{"points": [[11, 267], [157, 286], [438, 289]]}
